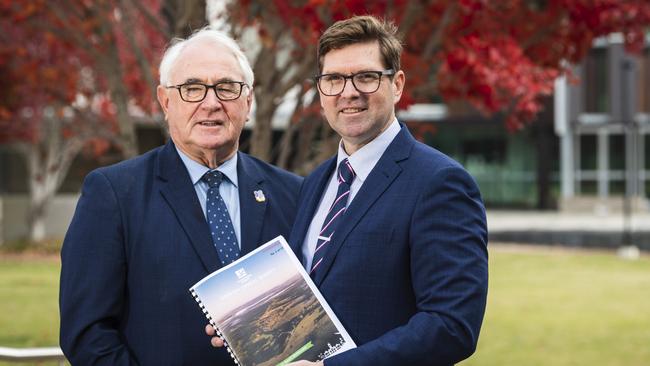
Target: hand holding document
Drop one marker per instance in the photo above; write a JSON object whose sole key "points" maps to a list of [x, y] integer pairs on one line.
{"points": [[268, 311]]}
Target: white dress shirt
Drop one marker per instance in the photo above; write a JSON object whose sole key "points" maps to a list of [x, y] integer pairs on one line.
{"points": [[362, 162]]}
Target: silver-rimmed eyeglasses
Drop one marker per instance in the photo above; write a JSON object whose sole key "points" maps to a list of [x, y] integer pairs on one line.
{"points": [[196, 92], [366, 82]]}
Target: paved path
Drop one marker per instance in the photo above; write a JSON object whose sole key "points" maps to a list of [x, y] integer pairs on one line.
{"points": [[572, 229], [558, 221]]}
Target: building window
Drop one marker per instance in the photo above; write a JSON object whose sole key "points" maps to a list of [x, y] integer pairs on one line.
{"points": [[596, 81], [489, 150]]}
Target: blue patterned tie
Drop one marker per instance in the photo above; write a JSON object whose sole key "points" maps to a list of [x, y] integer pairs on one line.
{"points": [[221, 228], [334, 216]]}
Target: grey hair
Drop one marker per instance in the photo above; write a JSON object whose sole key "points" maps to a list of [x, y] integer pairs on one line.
{"points": [[177, 45]]}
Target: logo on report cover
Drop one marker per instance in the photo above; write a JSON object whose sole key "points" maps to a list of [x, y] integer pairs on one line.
{"points": [[241, 273]]}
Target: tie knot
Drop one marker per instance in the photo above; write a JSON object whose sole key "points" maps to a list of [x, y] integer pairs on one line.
{"points": [[346, 173], [213, 178]]}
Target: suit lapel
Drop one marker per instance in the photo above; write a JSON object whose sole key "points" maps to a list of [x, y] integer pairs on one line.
{"points": [[252, 207], [379, 179], [313, 190], [178, 191]]}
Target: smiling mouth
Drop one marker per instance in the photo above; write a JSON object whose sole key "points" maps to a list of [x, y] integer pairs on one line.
{"points": [[352, 110], [210, 123]]}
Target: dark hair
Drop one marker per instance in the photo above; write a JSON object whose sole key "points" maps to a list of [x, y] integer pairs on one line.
{"points": [[362, 29]]}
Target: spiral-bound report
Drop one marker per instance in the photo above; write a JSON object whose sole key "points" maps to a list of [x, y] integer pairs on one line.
{"points": [[268, 311]]}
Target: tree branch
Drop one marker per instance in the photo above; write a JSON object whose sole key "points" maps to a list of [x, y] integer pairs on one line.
{"points": [[302, 72], [412, 13], [541, 33], [74, 36], [141, 59], [435, 40], [148, 15]]}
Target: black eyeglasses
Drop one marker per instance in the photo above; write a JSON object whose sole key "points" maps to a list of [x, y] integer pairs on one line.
{"points": [[196, 92], [366, 82]]}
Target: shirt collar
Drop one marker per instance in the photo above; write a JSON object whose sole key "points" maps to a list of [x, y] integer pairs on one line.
{"points": [[197, 170], [364, 159]]}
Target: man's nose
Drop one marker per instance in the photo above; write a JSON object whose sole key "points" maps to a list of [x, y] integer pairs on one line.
{"points": [[211, 100], [349, 90]]}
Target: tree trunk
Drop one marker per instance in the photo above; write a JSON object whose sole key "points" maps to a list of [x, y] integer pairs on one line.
{"points": [[48, 162], [36, 218], [262, 135], [120, 98], [40, 187], [184, 16]]}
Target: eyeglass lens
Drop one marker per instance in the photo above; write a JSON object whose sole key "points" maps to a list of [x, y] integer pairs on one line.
{"points": [[197, 92], [364, 82]]}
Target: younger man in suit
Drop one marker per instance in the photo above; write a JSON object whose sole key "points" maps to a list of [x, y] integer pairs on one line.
{"points": [[148, 228], [392, 231]]}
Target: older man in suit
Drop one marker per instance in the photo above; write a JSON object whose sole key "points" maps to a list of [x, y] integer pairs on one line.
{"points": [[148, 228], [392, 231]]}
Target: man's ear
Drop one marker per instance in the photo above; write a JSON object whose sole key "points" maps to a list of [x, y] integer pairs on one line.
{"points": [[250, 96], [163, 99], [399, 79]]}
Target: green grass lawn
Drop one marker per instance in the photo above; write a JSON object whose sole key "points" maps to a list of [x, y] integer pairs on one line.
{"points": [[545, 307], [565, 308], [29, 310]]}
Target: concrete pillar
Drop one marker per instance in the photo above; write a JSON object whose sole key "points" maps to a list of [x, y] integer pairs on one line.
{"points": [[603, 164], [565, 132], [641, 161]]}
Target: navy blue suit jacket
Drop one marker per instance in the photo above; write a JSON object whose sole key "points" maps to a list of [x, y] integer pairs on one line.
{"points": [[137, 242], [406, 271]]}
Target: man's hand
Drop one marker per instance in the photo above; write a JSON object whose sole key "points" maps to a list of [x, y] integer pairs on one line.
{"points": [[218, 342], [215, 341]]}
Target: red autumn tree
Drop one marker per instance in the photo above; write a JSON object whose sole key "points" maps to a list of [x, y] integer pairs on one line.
{"points": [[75, 75], [501, 56]]}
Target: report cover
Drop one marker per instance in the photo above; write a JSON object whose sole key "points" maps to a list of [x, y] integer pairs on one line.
{"points": [[268, 311]]}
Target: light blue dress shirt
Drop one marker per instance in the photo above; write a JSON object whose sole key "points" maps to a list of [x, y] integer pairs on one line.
{"points": [[227, 189], [362, 161]]}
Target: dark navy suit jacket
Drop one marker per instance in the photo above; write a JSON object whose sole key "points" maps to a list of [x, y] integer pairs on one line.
{"points": [[406, 271], [137, 242]]}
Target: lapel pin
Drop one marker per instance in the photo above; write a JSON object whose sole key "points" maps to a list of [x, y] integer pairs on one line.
{"points": [[259, 196]]}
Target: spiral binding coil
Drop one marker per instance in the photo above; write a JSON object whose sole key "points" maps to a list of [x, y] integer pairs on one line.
{"points": [[219, 334]]}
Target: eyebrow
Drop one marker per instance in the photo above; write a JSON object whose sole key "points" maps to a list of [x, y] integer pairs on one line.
{"points": [[193, 80], [351, 73]]}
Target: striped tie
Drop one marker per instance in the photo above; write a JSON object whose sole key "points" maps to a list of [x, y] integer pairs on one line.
{"points": [[345, 176]]}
